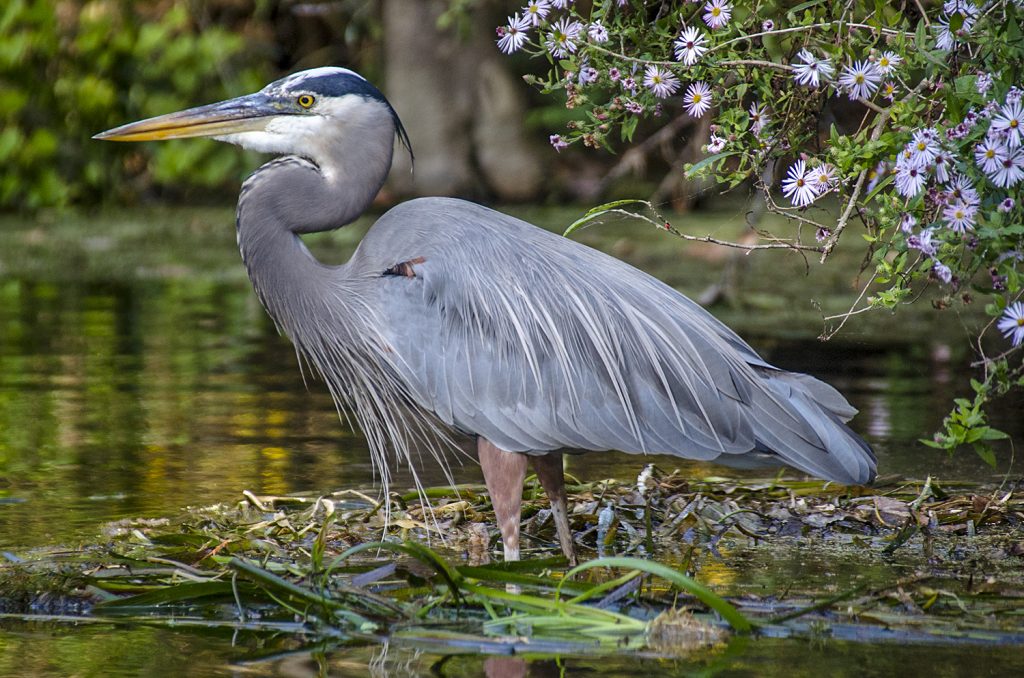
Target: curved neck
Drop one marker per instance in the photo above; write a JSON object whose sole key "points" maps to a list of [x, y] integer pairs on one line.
{"points": [[291, 195]]}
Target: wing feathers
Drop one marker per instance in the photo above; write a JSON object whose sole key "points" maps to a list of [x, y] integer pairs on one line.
{"points": [[537, 342]]}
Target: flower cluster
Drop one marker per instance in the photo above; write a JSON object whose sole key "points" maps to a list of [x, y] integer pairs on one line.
{"points": [[804, 185], [945, 139]]}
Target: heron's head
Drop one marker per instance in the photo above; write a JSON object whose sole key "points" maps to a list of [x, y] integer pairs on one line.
{"points": [[308, 113]]}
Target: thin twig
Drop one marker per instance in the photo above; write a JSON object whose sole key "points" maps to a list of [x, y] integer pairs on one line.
{"points": [[844, 218], [666, 226], [755, 62]]}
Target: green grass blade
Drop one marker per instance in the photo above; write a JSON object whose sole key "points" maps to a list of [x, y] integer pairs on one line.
{"points": [[729, 613], [169, 595]]}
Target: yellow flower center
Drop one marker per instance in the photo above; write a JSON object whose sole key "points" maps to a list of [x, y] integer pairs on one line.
{"points": [[860, 79], [696, 98], [921, 145], [1020, 321], [1013, 124], [883, 62], [990, 153], [715, 11]]}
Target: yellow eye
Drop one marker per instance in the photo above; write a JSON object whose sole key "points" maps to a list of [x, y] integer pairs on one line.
{"points": [[306, 100]]}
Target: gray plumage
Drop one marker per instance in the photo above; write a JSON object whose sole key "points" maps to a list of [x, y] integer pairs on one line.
{"points": [[451, 313]]}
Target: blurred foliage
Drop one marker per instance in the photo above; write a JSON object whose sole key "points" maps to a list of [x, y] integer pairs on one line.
{"points": [[73, 68]]}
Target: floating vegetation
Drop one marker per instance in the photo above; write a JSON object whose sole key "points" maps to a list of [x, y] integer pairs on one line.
{"points": [[911, 561]]}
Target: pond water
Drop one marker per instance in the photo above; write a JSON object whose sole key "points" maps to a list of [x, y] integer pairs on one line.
{"points": [[139, 375]]}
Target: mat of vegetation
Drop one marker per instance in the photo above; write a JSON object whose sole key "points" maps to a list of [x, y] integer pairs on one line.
{"points": [[901, 561]]}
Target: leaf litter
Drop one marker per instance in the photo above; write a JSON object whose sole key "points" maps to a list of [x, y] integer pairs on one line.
{"points": [[675, 566]]}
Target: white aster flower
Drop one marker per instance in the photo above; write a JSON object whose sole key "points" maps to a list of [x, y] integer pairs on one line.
{"points": [[889, 90], [1010, 122], [960, 217], [797, 187], [990, 154], [860, 80], [661, 81], [717, 13], [561, 4], [716, 144], [767, 26], [822, 178], [1010, 170], [697, 99], [946, 38], [598, 33], [965, 7], [514, 34], [940, 166], [923, 147], [758, 118], [689, 46], [1011, 324], [536, 11], [812, 70], [961, 189], [561, 40], [909, 178], [888, 61]]}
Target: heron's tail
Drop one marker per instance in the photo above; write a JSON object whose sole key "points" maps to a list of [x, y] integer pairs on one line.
{"points": [[801, 421]]}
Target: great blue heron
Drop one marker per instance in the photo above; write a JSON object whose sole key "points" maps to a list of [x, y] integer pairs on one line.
{"points": [[451, 313]]}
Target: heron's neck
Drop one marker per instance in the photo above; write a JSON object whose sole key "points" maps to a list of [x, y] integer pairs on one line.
{"points": [[282, 199]]}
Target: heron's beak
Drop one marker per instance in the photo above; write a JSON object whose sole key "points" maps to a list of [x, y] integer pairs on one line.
{"points": [[249, 113]]}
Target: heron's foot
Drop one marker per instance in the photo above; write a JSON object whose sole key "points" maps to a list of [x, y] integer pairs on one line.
{"points": [[552, 479]]}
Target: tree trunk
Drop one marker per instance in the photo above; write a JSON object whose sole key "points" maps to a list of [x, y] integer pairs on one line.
{"points": [[461, 106]]}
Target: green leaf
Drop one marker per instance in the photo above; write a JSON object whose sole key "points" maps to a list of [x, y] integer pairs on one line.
{"points": [[693, 169], [598, 211], [985, 452]]}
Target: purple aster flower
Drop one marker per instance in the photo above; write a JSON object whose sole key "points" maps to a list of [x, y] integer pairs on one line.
{"points": [[907, 222], [923, 242], [983, 83]]}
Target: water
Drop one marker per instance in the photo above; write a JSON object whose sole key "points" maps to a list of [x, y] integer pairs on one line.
{"points": [[139, 375]]}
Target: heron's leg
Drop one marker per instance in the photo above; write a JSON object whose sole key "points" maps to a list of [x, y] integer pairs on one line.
{"points": [[552, 479], [504, 473]]}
